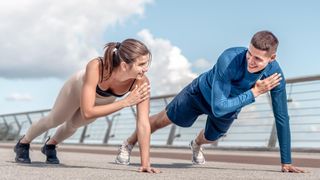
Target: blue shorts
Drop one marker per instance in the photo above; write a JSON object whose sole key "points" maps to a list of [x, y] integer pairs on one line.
{"points": [[185, 108]]}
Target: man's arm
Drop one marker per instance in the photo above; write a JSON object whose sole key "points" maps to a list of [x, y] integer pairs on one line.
{"points": [[280, 111], [281, 115], [222, 104]]}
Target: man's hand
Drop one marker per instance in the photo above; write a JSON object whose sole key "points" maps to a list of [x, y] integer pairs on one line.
{"points": [[290, 168], [263, 86]]}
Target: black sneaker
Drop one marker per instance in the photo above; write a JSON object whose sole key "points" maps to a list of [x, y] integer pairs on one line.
{"points": [[50, 151], [22, 153]]}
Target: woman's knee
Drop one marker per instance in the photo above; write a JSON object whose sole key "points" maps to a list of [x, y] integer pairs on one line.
{"points": [[50, 122]]}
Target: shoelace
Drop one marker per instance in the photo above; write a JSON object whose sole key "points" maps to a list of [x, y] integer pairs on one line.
{"points": [[125, 149], [25, 153], [51, 152], [197, 149]]}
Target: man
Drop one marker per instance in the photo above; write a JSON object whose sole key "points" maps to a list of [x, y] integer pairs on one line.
{"points": [[239, 76]]}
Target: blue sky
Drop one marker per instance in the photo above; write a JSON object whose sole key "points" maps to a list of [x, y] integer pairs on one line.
{"points": [[203, 29], [39, 51]]}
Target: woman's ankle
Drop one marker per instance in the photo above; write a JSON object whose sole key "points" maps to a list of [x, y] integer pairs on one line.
{"points": [[24, 141], [52, 142]]}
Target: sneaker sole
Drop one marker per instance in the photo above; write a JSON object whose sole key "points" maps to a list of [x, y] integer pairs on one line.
{"points": [[48, 162], [196, 163], [22, 162], [122, 163]]}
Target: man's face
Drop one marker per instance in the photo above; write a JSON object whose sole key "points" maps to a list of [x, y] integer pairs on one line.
{"points": [[258, 59]]}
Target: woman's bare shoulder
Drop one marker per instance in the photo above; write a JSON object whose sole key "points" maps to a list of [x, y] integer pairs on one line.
{"points": [[143, 80], [93, 63], [92, 71]]}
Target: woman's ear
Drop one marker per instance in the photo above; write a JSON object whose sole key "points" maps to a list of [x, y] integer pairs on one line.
{"points": [[124, 66]]}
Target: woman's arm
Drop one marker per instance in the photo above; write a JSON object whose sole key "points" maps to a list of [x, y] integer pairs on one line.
{"points": [[88, 94], [144, 131]]}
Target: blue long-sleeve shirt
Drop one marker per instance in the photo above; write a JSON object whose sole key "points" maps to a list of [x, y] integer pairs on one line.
{"points": [[227, 88]]}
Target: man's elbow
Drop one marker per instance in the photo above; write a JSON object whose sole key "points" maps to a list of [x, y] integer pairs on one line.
{"points": [[218, 112]]}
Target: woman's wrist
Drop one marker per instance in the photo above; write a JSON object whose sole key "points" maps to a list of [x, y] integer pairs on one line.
{"points": [[123, 103]]}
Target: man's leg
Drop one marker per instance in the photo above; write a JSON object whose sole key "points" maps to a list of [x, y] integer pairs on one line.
{"points": [[157, 121], [215, 128], [195, 145], [200, 139], [183, 110]]}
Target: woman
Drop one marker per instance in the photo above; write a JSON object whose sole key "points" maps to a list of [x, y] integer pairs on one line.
{"points": [[92, 93]]}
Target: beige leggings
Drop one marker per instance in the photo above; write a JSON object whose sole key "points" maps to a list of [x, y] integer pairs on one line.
{"points": [[65, 112]]}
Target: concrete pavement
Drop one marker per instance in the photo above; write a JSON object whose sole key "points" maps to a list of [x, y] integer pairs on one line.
{"points": [[97, 162]]}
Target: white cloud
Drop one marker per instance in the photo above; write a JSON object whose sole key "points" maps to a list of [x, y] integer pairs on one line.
{"points": [[19, 97], [170, 71], [202, 65], [42, 38]]}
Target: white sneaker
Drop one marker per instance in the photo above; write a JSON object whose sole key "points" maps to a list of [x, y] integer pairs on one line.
{"points": [[124, 153], [197, 154]]}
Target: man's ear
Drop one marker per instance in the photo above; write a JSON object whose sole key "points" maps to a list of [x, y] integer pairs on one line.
{"points": [[273, 57]]}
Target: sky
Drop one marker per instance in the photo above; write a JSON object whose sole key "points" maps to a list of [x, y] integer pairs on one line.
{"points": [[43, 42]]}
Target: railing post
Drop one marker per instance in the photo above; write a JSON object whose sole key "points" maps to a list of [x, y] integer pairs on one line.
{"points": [[172, 133], [110, 122], [273, 135], [133, 112], [29, 118], [7, 130], [44, 139], [19, 127], [83, 134]]}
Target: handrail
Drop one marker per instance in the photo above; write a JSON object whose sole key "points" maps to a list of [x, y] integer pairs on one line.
{"points": [[254, 126]]}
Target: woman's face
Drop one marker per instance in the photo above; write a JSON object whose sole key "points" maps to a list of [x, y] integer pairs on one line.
{"points": [[140, 66]]}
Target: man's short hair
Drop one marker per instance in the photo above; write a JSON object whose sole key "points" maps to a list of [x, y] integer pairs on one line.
{"points": [[266, 41]]}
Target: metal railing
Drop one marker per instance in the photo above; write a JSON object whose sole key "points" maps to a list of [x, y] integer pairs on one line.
{"points": [[255, 126]]}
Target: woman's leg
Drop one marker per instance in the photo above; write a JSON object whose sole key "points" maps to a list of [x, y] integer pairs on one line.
{"points": [[64, 108], [69, 127]]}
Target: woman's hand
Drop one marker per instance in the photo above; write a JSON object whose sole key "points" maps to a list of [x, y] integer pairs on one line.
{"points": [[137, 95], [149, 170]]}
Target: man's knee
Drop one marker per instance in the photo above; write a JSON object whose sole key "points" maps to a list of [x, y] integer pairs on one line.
{"points": [[160, 120]]}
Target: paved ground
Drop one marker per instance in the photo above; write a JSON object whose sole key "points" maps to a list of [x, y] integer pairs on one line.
{"points": [[96, 162]]}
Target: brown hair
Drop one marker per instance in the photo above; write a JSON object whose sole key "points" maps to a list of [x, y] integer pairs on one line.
{"points": [[266, 41], [128, 51]]}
